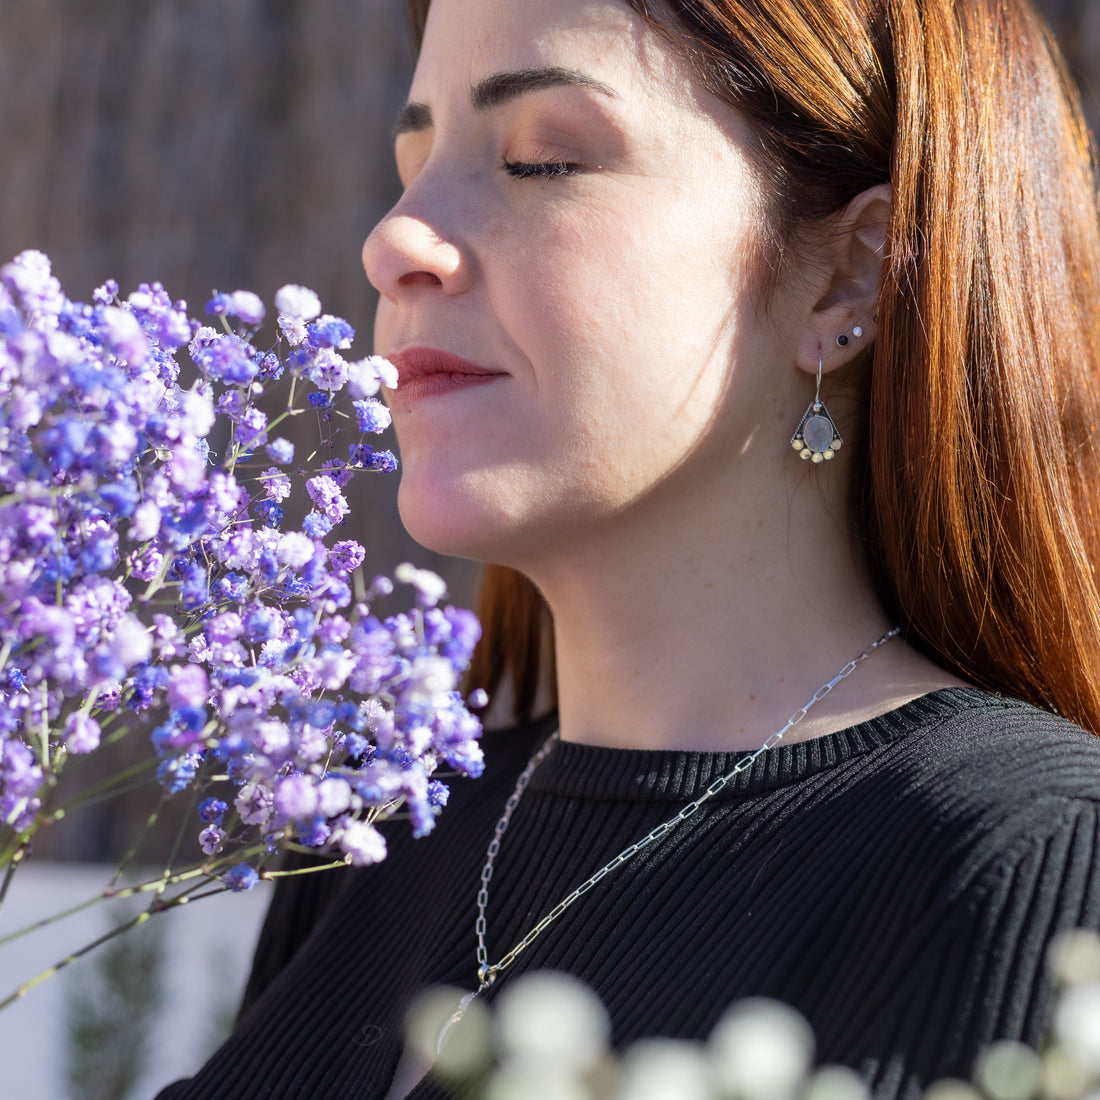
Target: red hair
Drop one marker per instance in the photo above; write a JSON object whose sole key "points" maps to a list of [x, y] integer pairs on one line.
{"points": [[978, 497]]}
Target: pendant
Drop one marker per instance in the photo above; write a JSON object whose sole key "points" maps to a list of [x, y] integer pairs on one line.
{"points": [[448, 1027], [816, 438]]}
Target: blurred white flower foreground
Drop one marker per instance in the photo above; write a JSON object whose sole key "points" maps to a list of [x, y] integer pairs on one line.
{"points": [[547, 1038]]}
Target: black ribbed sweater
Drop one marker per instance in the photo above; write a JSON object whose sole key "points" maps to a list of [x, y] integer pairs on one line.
{"points": [[898, 882]]}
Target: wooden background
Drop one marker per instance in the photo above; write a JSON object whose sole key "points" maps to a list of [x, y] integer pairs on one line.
{"points": [[231, 144]]}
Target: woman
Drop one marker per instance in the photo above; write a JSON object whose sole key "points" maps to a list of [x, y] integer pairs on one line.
{"points": [[732, 335]]}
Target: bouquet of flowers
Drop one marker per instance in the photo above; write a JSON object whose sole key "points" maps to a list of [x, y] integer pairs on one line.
{"points": [[150, 585]]}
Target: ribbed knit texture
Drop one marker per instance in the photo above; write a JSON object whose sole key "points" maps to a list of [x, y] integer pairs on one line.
{"points": [[898, 882]]}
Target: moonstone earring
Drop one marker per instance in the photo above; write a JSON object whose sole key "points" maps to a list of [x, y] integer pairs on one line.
{"points": [[816, 438]]}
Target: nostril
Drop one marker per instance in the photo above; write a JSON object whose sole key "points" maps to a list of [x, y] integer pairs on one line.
{"points": [[414, 278]]}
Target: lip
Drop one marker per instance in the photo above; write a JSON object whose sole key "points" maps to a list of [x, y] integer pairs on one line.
{"points": [[431, 372]]}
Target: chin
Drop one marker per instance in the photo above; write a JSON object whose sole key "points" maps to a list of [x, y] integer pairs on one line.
{"points": [[452, 517]]}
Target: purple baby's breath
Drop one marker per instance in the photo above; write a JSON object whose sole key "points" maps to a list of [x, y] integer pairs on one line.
{"points": [[276, 484], [149, 578], [326, 495], [212, 810], [330, 332], [372, 416], [81, 733], [362, 843], [328, 371], [241, 877], [296, 306], [211, 839], [280, 451]]}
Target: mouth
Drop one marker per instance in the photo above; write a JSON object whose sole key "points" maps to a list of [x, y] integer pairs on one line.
{"points": [[430, 372]]}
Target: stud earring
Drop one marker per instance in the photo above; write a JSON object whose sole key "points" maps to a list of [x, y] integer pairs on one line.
{"points": [[842, 340], [816, 438]]}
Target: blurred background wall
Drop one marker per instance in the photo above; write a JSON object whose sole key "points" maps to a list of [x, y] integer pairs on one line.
{"points": [[232, 144], [208, 144]]}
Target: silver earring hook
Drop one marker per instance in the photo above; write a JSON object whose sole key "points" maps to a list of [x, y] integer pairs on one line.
{"points": [[816, 438]]}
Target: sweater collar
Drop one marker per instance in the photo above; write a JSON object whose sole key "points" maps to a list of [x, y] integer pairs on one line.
{"points": [[672, 775]]}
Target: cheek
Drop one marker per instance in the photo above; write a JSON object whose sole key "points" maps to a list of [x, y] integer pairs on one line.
{"points": [[632, 303]]}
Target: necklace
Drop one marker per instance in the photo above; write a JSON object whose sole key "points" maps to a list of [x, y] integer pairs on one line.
{"points": [[487, 972]]}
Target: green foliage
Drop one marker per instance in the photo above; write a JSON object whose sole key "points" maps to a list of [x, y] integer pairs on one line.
{"points": [[111, 1007]]}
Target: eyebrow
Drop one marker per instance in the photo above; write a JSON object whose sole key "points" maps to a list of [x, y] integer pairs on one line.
{"points": [[501, 88]]}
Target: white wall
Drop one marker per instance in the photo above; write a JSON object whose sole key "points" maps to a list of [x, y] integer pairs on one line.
{"points": [[209, 945]]}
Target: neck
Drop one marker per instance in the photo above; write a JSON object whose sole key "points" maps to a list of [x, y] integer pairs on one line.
{"points": [[715, 642]]}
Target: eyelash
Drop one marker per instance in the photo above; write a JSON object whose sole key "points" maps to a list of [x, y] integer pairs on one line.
{"points": [[548, 170]]}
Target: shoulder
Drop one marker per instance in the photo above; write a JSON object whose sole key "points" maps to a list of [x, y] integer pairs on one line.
{"points": [[969, 744], [987, 783]]}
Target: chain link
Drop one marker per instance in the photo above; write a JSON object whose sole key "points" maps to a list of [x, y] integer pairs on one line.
{"points": [[486, 972]]}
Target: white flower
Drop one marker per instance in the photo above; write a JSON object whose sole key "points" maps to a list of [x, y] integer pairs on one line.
{"points": [[430, 586], [333, 796], [145, 522], [366, 376], [131, 643], [29, 275], [665, 1069], [466, 1047], [248, 306], [1077, 1024], [534, 1083], [124, 334], [1009, 1071], [332, 666], [362, 843], [197, 410], [761, 1049], [295, 549], [297, 301], [432, 678], [836, 1083], [554, 1020], [362, 379], [1074, 957]]}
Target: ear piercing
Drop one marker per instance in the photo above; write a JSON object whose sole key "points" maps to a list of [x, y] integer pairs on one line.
{"points": [[843, 339], [816, 438]]}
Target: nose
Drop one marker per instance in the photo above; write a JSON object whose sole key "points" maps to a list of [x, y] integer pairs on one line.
{"points": [[407, 253]]}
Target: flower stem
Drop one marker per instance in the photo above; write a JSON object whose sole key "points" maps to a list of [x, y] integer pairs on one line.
{"points": [[109, 788], [303, 870], [166, 877], [49, 972], [149, 823], [157, 884], [9, 871]]}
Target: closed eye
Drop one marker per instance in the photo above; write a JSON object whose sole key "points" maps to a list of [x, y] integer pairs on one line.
{"points": [[546, 170]]}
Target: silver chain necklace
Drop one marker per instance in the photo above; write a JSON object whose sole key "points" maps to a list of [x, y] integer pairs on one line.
{"points": [[487, 972]]}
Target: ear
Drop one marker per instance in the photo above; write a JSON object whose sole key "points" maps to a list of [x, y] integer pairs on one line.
{"points": [[848, 262]]}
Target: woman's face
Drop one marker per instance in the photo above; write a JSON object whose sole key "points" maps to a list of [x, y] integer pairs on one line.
{"points": [[580, 225]]}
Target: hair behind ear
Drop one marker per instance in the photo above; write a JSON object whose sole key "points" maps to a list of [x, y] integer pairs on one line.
{"points": [[984, 477]]}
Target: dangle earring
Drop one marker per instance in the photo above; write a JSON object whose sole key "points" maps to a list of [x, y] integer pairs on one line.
{"points": [[816, 437]]}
